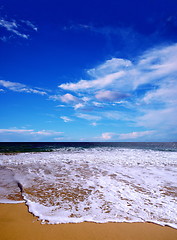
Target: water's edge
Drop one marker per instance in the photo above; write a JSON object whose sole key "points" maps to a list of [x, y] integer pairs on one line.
{"points": [[100, 185]]}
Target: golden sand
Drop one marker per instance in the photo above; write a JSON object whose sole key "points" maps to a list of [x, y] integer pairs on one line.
{"points": [[16, 223]]}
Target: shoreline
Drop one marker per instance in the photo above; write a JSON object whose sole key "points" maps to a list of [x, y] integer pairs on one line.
{"points": [[17, 223]]}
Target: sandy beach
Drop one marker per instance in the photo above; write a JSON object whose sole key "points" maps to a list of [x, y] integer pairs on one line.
{"points": [[17, 223]]}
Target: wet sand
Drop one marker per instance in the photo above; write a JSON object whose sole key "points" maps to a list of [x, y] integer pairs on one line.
{"points": [[17, 223]]}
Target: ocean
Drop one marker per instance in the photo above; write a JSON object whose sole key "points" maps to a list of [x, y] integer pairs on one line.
{"points": [[94, 182]]}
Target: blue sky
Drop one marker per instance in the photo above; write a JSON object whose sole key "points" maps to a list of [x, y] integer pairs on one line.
{"points": [[88, 70]]}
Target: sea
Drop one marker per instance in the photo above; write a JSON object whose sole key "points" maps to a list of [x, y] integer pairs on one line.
{"points": [[92, 182]]}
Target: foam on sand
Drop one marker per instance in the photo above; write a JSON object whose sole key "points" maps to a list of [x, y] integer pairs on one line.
{"points": [[98, 184]]}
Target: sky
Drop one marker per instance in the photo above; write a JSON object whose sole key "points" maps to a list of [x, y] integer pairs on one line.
{"points": [[88, 70]]}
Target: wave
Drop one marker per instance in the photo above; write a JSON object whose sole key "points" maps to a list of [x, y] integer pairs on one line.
{"points": [[95, 184]]}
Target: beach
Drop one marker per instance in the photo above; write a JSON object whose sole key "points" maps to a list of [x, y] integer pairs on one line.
{"points": [[87, 192], [17, 223]]}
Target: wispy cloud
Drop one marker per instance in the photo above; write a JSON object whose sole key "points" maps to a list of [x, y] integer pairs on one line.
{"points": [[106, 31], [66, 98], [30, 131], [101, 82], [16, 28], [78, 105], [88, 117], [125, 136], [115, 115], [165, 93], [16, 131], [107, 135], [162, 119], [112, 65], [135, 135], [94, 124], [46, 133], [18, 87], [56, 98], [30, 24], [59, 139], [12, 27], [111, 96], [66, 119]]}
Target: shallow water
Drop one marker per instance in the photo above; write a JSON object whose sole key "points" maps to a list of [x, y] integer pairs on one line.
{"points": [[99, 184]]}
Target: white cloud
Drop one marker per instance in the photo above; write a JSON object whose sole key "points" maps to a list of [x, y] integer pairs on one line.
{"points": [[55, 98], [155, 65], [61, 105], [122, 74], [160, 118], [16, 28], [16, 131], [110, 66], [46, 133], [1, 90], [107, 135], [30, 131], [86, 99], [148, 83], [30, 24], [11, 85], [96, 84], [59, 139], [18, 87], [110, 96], [166, 93], [114, 115], [94, 124], [66, 119], [134, 135], [30, 90], [125, 136], [109, 74], [12, 27], [69, 98], [98, 104], [79, 105], [89, 117]]}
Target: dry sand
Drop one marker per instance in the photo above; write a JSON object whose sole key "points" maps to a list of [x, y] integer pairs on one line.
{"points": [[17, 223]]}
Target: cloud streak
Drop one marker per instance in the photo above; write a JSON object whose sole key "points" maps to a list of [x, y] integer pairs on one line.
{"points": [[19, 29], [96, 84], [107, 135], [67, 98], [125, 136], [66, 119], [31, 132], [135, 135], [110, 96], [88, 117], [18, 87]]}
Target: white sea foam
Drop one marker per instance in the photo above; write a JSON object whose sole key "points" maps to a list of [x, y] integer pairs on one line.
{"points": [[10, 201], [98, 184]]}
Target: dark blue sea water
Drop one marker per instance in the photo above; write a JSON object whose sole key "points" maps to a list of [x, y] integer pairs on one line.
{"points": [[11, 147]]}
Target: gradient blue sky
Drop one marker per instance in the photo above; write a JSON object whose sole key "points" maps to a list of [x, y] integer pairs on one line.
{"points": [[88, 70]]}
